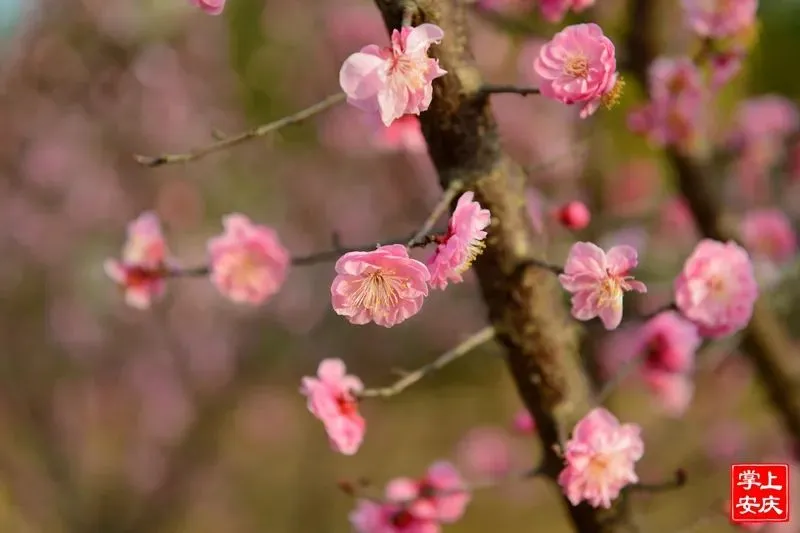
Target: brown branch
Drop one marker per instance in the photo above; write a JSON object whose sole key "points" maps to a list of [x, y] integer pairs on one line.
{"points": [[509, 89], [524, 302], [765, 341], [465, 347], [678, 481], [233, 140]]}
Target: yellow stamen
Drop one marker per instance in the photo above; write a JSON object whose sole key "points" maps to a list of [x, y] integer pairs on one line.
{"points": [[379, 290], [577, 66], [612, 97]]}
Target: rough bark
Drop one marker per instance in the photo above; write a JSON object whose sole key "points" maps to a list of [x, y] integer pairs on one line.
{"points": [[524, 303]]}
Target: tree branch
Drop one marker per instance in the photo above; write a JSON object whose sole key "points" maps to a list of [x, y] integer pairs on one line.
{"points": [[524, 302], [509, 89], [765, 340], [465, 347], [227, 142]]}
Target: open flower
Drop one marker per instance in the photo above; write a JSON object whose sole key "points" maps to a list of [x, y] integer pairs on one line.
{"points": [[600, 459], [441, 487], [597, 281], [143, 267], [579, 66], [332, 399], [720, 18], [212, 7], [395, 80], [769, 235], [248, 261], [384, 286], [717, 288], [402, 512], [462, 243], [554, 10]]}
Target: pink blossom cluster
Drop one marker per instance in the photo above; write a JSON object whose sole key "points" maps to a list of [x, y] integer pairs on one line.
{"points": [[600, 459], [247, 262], [720, 19], [673, 115], [769, 236], [415, 506], [212, 7], [386, 286], [395, 80], [579, 66]]}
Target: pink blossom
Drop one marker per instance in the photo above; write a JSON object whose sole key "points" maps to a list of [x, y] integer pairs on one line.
{"points": [[486, 452], [395, 80], [505, 6], [720, 18], [441, 487], [248, 261], [767, 118], [670, 343], [402, 135], [384, 286], [597, 281], [462, 243], [768, 234], [524, 422], [725, 66], [212, 7], [554, 10], [402, 512], [574, 215], [600, 459], [579, 66], [717, 288], [332, 399], [143, 267]]}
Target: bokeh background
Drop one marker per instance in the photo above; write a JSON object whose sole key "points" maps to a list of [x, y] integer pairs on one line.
{"points": [[187, 417]]}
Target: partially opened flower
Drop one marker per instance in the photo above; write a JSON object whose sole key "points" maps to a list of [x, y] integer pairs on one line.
{"points": [[212, 7], [384, 286], [554, 10], [769, 235], [441, 487], [402, 512], [579, 66], [717, 288], [597, 281], [600, 459], [332, 399], [462, 243], [141, 271], [394, 80], [248, 261], [720, 18]]}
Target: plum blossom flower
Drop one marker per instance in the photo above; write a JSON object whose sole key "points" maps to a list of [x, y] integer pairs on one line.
{"points": [[600, 459], [720, 18], [670, 343], [441, 487], [402, 135], [725, 66], [248, 261], [579, 65], [767, 118], [574, 215], [769, 235], [332, 399], [674, 112], [486, 452], [462, 243], [402, 512], [554, 10], [394, 80], [212, 7], [524, 422], [143, 267], [597, 281], [384, 286], [717, 288]]}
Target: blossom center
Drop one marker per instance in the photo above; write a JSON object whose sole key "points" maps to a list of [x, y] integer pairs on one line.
{"points": [[408, 71], [655, 350], [347, 404], [598, 466], [716, 286], [402, 519], [246, 267], [577, 66], [426, 490], [378, 290], [137, 276], [610, 290]]}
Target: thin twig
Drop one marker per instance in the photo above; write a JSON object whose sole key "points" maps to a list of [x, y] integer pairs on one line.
{"points": [[439, 209], [508, 89], [679, 480], [409, 379], [227, 142]]}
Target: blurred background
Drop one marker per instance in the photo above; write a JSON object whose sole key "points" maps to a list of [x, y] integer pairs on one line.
{"points": [[187, 417]]}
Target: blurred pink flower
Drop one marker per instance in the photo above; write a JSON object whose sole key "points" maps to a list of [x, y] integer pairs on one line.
{"points": [[720, 18], [725, 66], [674, 112], [332, 399], [676, 220], [554, 10], [524, 422], [248, 262], [726, 442], [462, 244], [486, 452], [579, 65], [396, 80], [717, 288], [506, 6], [402, 135], [212, 7], [634, 188], [600, 459], [143, 267], [535, 203], [441, 487], [767, 118], [768, 235], [597, 281], [410, 516], [574, 215], [384, 286]]}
